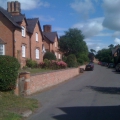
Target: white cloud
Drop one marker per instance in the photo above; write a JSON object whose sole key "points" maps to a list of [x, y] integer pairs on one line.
{"points": [[117, 41], [91, 27], [27, 5], [116, 34], [84, 7], [112, 14]]}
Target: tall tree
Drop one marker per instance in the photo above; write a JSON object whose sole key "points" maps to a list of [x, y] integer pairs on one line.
{"points": [[73, 42], [92, 51]]}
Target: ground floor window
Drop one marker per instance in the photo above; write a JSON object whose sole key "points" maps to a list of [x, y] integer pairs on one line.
{"points": [[2, 49], [23, 51], [37, 53]]}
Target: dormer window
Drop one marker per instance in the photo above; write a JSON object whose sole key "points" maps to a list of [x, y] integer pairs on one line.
{"points": [[23, 31], [2, 49], [36, 36]]}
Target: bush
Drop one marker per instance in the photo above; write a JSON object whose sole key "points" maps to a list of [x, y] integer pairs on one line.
{"points": [[31, 63], [9, 67], [47, 63], [71, 61], [49, 56]]}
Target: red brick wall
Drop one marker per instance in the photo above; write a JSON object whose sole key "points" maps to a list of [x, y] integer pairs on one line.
{"points": [[36, 44], [45, 80], [19, 40], [6, 34]]}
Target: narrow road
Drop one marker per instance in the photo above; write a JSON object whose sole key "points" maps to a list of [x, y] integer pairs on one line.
{"points": [[93, 95]]}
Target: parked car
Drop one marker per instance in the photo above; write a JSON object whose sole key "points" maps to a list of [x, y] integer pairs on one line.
{"points": [[111, 65], [117, 68], [89, 66], [103, 63], [99, 63]]}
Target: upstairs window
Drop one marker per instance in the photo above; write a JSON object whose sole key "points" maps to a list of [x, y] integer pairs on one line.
{"points": [[23, 31], [23, 51], [37, 52], [2, 49], [36, 36]]}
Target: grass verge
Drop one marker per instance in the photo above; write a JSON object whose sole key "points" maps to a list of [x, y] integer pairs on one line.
{"points": [[12, 106], [35, 70]]}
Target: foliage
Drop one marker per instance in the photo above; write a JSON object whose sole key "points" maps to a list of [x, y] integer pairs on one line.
{"points": [[71, 60], [91, 56], [82, 57], [104, 55], [8, 72], [92, 51], [72, 42], [31, 63], [46, 63], [53, 64], [49, 56]]}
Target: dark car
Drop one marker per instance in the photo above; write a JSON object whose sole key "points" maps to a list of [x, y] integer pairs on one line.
{"points": [[89, 66], [117, 68], [111, 65]]}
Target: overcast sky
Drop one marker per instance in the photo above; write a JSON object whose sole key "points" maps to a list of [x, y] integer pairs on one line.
{"points": [[99, 20]]}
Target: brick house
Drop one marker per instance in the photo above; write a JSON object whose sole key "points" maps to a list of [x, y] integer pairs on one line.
{"points": [[51, 41], [20, 37]]}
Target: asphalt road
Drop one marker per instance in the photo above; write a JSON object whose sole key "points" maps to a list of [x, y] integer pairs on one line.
{"points": [[93, 95]]}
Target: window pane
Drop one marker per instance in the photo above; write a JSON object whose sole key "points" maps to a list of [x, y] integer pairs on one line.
{"points": [[36, 36], [1, 49], [37, 53], [23, 51]]}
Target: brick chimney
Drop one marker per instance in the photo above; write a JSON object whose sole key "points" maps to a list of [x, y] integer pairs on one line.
{"points": [[47, 28], [14, 7]]}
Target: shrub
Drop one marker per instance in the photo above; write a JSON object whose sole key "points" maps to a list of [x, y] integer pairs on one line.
{"points": [[80, 61], [47, 63], [9, 67], [71, 61], [31, 63], [49, 56]]}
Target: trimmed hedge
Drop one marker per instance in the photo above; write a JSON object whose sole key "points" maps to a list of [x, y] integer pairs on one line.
{"points": [[49, 56], [9, 67]]}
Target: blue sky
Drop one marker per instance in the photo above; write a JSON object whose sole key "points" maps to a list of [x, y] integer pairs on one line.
{"points": [[99, 20]]}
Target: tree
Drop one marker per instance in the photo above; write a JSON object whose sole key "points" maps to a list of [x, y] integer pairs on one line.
{"points": [[92, 51], [72, 42], [111, 46], [104, 55]]}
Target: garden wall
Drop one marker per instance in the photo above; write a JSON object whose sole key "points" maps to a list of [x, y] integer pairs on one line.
{"points": [[28, 84]]}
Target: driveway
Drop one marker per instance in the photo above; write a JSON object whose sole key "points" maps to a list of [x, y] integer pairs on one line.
{"points": [[93, 95]]}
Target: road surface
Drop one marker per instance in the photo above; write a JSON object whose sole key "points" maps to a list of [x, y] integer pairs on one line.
{"points": [[93, 95]]}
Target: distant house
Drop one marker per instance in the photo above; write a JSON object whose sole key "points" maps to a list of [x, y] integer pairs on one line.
{"points": [[20, 37], [116, 54], [51, 41]]}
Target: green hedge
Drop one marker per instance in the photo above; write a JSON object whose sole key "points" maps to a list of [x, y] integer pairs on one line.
{"points": [[49, 56], [9, 67]]}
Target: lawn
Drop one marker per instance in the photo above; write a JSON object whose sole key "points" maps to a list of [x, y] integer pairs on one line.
{"points": [[12, 106], [35, 70]]}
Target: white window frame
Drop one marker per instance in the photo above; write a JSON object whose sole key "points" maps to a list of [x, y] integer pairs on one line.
{"points": [[36, 36], [3, 49], [37, 53], [56, 54], [23, 31], [23, 51], [59, 56]]}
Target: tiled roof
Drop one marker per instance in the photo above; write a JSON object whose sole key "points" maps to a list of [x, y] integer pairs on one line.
{"points": [[31, 24], [8, 16], [1, 41], [50, 35], [18, 18]]}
